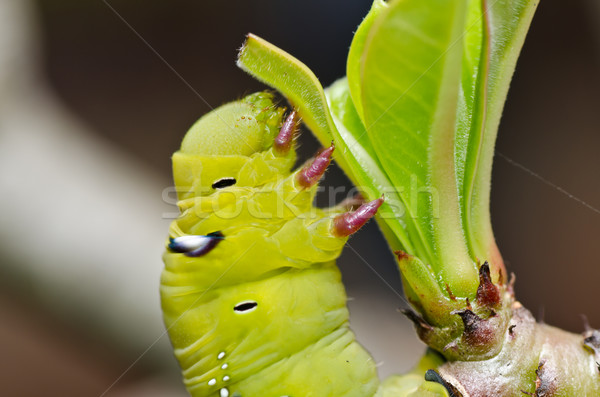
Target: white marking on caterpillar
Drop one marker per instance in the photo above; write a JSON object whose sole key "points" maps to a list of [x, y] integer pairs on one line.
{"points": [[224, 366], [224, 392], [245, 307], [188, 243], [212, 382], [195, 245], [221, 355], [225, 378]]}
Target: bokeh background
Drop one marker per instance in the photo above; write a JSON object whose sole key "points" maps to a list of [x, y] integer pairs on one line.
{"points": [[94, 98]]}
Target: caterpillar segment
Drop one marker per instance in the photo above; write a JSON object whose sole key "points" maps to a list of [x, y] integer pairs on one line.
{"points": [[252, 299]]}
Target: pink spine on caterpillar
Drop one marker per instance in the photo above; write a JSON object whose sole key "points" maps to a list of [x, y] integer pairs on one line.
{"points": [[349, 223], [310, 173], [283, 141]]}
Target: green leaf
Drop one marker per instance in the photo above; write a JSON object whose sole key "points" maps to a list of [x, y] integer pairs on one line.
{"points": [[411, 74], [356, 51], [293, 79], [433, 80], [366, 171], [504, 24]]}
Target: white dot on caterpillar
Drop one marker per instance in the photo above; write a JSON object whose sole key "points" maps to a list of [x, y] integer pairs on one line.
{"points": [[224, 392], [224, 366], [225, 378], [212, 382], [221, 355]]}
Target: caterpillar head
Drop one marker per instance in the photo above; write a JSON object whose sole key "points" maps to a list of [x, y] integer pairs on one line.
{"points": [[241, 128], [242, 143]]}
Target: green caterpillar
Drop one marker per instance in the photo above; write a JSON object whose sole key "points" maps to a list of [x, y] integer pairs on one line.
{"points": [[251, 296]]}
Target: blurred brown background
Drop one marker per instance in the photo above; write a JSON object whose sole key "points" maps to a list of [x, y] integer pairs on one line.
{"points": [[87, 101]]}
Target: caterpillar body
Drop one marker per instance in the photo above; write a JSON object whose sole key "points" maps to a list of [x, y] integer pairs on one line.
{"points": [[251, 296]]}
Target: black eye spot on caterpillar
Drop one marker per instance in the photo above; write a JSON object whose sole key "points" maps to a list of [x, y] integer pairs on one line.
{"points": [[223, 183], [245, 307], [194, 246]]}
